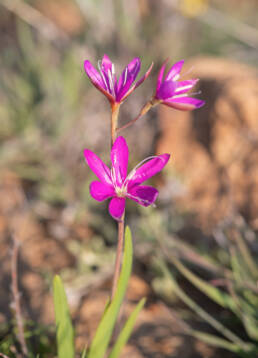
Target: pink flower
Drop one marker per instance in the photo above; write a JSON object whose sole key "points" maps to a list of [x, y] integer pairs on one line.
{"points": [[172, 92], [106, 81], [116, 184]]}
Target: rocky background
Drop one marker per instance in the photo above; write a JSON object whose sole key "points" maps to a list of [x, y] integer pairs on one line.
{"points": [[49, 113]]}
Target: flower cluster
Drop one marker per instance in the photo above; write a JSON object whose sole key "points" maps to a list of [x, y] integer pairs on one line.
{"points": [[115, 183], [169, 91]]}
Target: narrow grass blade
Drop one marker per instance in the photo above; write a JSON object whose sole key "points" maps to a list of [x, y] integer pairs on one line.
{"points": [[84, 353], [215, 341], [126, 332], [104, 331], [64, 328], [201, 312], [246, 255], [221, 298]]}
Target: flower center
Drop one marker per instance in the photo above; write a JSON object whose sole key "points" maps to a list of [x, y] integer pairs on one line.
{"points": [[120, 191]]}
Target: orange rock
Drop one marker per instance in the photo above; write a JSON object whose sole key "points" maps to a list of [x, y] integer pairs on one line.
{"points": [[215, 148]]}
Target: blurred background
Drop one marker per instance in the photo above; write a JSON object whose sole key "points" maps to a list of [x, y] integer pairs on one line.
{"points": [[204, 229]]}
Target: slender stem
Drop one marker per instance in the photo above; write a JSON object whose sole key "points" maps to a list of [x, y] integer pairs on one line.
{"points": [[151, 103], [119, 254], [16, 296], [114, 120]]}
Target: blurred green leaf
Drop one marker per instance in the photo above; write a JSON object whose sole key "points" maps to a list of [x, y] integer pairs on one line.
{"points": [[126, 332], [65, 334], [246, 255], [221, 298], [215, 341], [251, 326], [84, 353], [232, 337], [104, 331]]}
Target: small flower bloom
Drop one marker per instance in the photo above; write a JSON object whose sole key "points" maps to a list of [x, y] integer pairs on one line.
{"points": [[172, 92], [116, 184], [116, 90]]}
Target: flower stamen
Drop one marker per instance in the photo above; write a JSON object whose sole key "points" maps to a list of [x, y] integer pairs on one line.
{"points": [[185, 95], [111, 82], [143, 201], [102, 75], [132, 172], [126, 73]]}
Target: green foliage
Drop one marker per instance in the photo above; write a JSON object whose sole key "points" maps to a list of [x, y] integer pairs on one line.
{"points": [[240, 296], [104, 331], [237, 346], [221, 298], [64, 328], [38, 339], [126, 331], [101, 340]]}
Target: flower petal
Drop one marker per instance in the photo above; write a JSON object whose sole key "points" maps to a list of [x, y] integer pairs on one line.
{"points": [[117, 207], [138, 83], [98, 167], [107, 73], [144, 195], [132, 67], [101, 191], [184, 103], [185, 86], [160, 75], [93, 75], [174, 71], [128, 77], [147, 170], [106, 64], [167, 90], [119, 159], [97, 80]]}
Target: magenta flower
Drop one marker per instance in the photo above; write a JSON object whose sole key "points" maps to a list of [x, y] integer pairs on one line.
{"points": [[116, 184], [116, 90], [172, 92]]}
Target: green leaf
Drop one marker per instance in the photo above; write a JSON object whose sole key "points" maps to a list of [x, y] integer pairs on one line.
{"points": [[246, 255], [104, 331], [251, 326], [126, 332], [221, 298], [84, 353], [215, 341], [64, 334], [201, 312]]}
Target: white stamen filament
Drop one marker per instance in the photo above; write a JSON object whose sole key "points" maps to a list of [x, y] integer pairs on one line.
{"points": [[183, 88], [144, 201], [132, 172], [113, 177], [101, 74], [186, 94], [111, 82], [187, 72], [126, 73]]}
